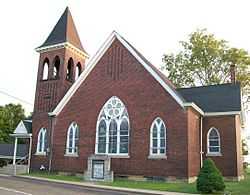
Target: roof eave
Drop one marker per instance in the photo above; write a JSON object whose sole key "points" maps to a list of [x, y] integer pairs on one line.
{"points": [[194, 106], [226, 113], [59, 46]]}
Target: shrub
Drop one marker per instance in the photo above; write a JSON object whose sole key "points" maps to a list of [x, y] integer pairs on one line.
{"points": [[209, 178], [3, 163]]}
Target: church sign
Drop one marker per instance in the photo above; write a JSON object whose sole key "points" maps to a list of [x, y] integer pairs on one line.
{"points": [[98, 169]]}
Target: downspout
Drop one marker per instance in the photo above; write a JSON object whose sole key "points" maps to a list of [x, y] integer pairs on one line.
{"points": [[201, 152], [52, 119]]}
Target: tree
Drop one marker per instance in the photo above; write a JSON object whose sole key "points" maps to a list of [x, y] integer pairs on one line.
{"points": [[205, 60], [244, 147], [209, 178], [10, 116]]}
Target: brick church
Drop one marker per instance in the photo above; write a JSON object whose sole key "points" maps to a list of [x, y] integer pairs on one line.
{"points": [[118, 115]]}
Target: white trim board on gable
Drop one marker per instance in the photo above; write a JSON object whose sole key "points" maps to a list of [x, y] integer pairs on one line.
{"points": [[94, 60], [21, 129]]}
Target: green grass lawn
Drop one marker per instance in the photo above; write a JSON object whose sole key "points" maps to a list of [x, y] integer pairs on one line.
{"points": [[55, 176], [235, 188], [242, 187], [162, 186]]}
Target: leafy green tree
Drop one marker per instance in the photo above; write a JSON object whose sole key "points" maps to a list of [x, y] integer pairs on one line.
{"points": [[244, 147], [209, 179], [10, 116], [206, 60]]}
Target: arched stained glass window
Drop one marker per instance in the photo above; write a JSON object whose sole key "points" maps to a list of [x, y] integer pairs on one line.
{"points": [[158, 137], [213, 141], [72, 139], [42, 141], [113, 128]]}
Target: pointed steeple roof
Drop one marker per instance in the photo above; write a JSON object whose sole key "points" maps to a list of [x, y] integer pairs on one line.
{"points": [[64, 31]]}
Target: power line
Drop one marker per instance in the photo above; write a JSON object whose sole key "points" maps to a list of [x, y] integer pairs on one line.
{"points": [[17, 98]]}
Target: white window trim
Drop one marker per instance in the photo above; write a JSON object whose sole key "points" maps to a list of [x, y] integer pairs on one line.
{"points": [[67, 152], [209, 153], [118, 154], [158, 155], [42, 132]]}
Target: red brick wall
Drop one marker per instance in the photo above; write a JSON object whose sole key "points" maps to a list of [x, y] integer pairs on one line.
{"points": [[240, 171], [229, 163], [39, 121], [119, 74], [193, 143], [49, 93]]}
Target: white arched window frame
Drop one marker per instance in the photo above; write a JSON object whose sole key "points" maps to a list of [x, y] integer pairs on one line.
{"points": [[72, 139], [158, 138], [112, 129], [213, 141], [42, 142]]}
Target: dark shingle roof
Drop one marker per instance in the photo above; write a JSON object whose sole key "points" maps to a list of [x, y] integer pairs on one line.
{"points": [[64, 31], [7, 150], [28, 125], [214, 98]]}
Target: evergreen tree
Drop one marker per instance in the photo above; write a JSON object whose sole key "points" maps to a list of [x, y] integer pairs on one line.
{"points": [[209, 178]]}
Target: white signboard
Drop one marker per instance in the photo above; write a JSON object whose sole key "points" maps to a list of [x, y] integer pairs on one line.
{"points": [[98, 170]]}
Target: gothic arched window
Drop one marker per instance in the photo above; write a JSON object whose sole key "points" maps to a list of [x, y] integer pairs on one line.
{"points": [[42, 141], [69, 73], [56, 67], [158, 137], [78, 70], [112, 131], [72, 139], [213, 141], [45, 73]]}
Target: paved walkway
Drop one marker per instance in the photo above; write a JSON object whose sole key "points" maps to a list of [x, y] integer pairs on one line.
{"points": [[94, 188]]}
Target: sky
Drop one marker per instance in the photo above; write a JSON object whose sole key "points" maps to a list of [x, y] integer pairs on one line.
{"points": [[153, 27]]}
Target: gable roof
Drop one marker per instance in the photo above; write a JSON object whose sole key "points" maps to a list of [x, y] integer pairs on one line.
{"points": [[28, 125], [24, 127], [214, 98], [164, 82], [64, 31]]}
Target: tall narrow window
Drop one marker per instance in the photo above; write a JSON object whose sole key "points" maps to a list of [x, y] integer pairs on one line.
{"points": [[45, 74], [56, 67], [78, 70], [158, 137], [42, 141], [213, 141], [69, 73], [112, 131], [72, 139]]}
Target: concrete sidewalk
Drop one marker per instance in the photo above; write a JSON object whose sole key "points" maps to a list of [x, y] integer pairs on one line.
{"points": [[93, 185]]}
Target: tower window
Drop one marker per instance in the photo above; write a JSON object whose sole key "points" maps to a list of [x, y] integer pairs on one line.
{"points": [[45, 74], [56, 67], [69, 73], [78, 70]]}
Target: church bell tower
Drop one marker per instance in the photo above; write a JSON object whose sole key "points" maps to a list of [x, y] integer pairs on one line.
{"points": [[62, 59]]}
